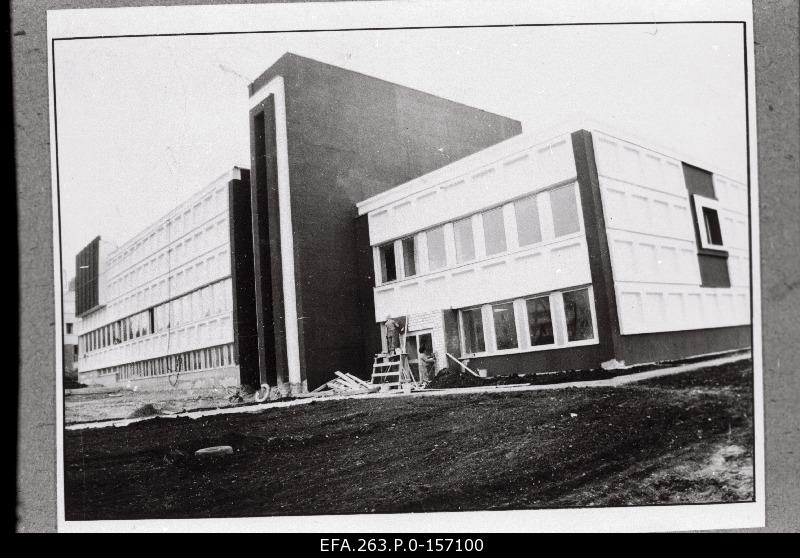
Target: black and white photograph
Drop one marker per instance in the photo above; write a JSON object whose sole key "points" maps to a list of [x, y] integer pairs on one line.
{"points": [[385, 259]]}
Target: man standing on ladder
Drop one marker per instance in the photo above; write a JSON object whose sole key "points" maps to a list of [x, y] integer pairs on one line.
{"points": [[392, 334]]}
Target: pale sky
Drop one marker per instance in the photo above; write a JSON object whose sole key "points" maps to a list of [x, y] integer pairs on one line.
{"points": [[145, 122]]}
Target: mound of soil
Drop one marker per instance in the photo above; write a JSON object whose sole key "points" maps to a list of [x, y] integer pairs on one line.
{"points": [[71, 383], [145, 411]]}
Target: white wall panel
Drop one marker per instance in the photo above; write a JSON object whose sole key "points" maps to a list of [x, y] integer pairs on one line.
{"points": [[488, 183], [544, 268], [652, 242]]}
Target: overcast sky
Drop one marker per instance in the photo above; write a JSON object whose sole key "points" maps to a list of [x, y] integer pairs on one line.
{"points": [[145, 122]]}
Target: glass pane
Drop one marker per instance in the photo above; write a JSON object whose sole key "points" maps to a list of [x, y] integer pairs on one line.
{"points": [[505, 326], [494, 231], [388, 268], [473, 331], [465, 241], [565, 210], [528, 229], [578, 315], [540, 322], [713, 232], [409, 257], [437, 257], [411, 347]]}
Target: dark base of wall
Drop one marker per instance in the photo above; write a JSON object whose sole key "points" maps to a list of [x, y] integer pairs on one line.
{"points": [[574, 358], [654, 347], [633, 349]]}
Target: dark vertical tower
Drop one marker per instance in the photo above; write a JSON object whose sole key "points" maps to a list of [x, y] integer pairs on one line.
{"points": [[344, 137]]}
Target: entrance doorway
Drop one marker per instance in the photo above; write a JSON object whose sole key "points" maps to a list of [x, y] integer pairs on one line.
{"points": [[416, 343]]}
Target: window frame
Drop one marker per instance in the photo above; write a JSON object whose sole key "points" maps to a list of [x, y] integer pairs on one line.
{"points": [[557, 317], [701, 203]]}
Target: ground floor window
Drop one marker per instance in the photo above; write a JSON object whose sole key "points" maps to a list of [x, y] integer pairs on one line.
{"points": [[505, 326], [578, 314], [540, 321], [472, 330], [545, 321]]}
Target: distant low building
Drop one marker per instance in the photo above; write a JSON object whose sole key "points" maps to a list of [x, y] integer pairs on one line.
{"points": [[70, 343]]}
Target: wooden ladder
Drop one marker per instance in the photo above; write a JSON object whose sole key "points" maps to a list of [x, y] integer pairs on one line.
{"points": [[392, 371]]}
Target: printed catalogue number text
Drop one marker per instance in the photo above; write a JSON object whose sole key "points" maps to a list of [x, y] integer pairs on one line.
{"points": [[401, 545]]}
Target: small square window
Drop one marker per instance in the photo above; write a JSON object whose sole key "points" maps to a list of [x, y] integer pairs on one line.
{"points": [[708, 223], [388, 266]]}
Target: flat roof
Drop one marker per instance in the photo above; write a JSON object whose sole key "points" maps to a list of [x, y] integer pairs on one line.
{"points": [[522, 142]]}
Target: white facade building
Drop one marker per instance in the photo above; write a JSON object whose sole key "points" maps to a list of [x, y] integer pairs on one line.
{"points": [[544, 255], [165, 305]]}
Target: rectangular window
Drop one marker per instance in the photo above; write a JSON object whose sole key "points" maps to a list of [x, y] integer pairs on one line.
{"points": [[713, 231], [494, 231], [69, 328], [409, 257], [465, 240], [565, 210], [578, 315], [437, 256], [505, 326], [529, 231], [388, 267], [472, 326], [540, 321]]}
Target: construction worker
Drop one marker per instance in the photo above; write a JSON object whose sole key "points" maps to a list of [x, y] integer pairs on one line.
{"points": [[427, 363], [392, 334]]}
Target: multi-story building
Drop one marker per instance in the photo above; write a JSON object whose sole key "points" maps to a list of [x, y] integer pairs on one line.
{"points": [[562, 254], [161, 308], [322, 139]]}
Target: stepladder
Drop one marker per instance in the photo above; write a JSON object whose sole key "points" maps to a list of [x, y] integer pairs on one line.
{"points": [[392, 371]]}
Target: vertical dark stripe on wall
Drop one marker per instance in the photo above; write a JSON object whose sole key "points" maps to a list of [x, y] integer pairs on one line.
{"points": [[245, 331], [597, 243], [266, 246], [370, 331], [713, 263]]}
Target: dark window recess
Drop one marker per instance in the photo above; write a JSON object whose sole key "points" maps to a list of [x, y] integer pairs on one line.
{"points": [[388, 267], [69, 329], [472, 322], [540, 321], [578, 315], [713, 231], [409, 257], [151, 315]]}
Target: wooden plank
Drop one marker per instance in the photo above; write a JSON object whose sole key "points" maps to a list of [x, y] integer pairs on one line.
{"points": [[348, 381], [464, 366], [357, 380]]}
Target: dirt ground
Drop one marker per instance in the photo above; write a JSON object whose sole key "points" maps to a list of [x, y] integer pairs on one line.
{"points": [[679, 439], [89, 405]]}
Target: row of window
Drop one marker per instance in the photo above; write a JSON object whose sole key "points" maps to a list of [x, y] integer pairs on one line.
{"points": [[178, 225], [497, 230], [550, 320], [194, 245], [200, 359], [210, 300]]}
